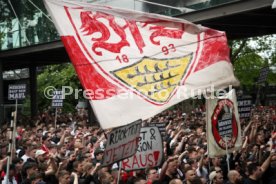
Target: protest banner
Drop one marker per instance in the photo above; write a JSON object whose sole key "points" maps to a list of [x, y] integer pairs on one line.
{"points": [[57, 100], [223, 125], [17, 91], [244, 107], [263, 75], [149, 152], [122, 142]]}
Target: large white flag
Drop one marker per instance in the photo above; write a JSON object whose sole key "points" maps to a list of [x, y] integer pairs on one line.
{"points": [[223, 125], [135, 65]]}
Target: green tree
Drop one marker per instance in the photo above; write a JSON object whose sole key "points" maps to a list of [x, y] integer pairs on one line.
{"points": [[58, 76], [250, 55]]}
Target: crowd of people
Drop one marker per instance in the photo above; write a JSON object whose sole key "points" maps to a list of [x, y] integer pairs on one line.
{"points": [[73, 150]]}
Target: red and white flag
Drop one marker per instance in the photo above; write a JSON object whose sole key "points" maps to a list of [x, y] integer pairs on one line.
{"points": [[135, 65], [223, 125]]}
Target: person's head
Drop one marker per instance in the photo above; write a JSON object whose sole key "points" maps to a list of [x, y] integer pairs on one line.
{"points": [[103, 170], [38, 179], [87, 157], [216, 178], [234, 177], [68, 141], [205, 160], [87, 167], [218, 170], [192, 153], [260, 138], [139, 181], [201, 150], [176, 181], [78, 143], [78, 167], [62, 150], [255, 148], [51, 130], [199, 131], [40, 155], [216, 161], [58, 133], [106, 178], [152, 174], [53, 148], [99, 153], [203, 180], [32, 151], [64, 177], [254, 170], [172, 166], [46, 139], [30, 168], [238, 166], [190, 175], [192, 163], [18, 162], [39, 132]]}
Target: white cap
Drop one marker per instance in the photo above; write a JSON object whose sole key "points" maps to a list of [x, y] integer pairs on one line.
{"points": [[39, 152], [212, 175]]}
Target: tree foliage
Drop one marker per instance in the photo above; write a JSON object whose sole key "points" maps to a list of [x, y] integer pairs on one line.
{"points": [[58, 76], [249, 56]]}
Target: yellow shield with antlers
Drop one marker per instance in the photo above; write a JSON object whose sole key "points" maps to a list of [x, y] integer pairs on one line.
{"points": [[156, 79]]}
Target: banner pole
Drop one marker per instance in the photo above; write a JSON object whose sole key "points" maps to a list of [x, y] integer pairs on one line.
{"points": [[207, 134], [227, 154], [10, 148], [14, 126], [56, 118], [257, 102], [119, 172]]}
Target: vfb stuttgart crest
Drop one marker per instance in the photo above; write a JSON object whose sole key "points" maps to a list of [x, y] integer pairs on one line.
{"points": [[224, 124]]}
